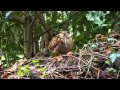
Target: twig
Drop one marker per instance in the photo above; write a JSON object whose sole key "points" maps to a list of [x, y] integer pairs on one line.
{"points": [[35, 18], [57, 25], [98, 74], [90, 61], [118, 74]]}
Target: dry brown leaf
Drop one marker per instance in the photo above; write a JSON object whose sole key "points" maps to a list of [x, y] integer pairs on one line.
{"points": [[70, 53], [116, 36], [5, 75], [98, 35], [1, 69], [58, 58], [118, 43], [12, 77], [13, 68]]}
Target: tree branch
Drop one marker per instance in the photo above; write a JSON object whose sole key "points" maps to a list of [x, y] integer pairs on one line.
{"points": [[67, 20], [37, 15]]}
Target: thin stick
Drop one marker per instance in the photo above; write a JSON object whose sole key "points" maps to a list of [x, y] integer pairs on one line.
{"points": [[89, 66], [118, 74], [98, 74]]}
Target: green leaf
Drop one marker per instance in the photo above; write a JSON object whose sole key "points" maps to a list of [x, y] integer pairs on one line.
{"points": [[42, 69], [35, 61], [114, 70], [44, 74], [19, 73], [111, 70], [96, 16], [109, 30], [118, 55], [26, 71], [111, 40], [26, 66], [107, 62], [112, 50], [113, 57], [37, 64], [94, 46], [78, 33]]}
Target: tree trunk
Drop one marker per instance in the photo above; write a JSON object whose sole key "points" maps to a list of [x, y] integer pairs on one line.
{"points": [[46, 35], [27, 38], [35, 33]]}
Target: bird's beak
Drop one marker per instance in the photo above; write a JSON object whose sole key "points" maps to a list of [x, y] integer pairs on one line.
{"points": [[65, 39]]}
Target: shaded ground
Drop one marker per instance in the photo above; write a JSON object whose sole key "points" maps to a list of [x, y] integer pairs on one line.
{"points": [[91, 62]]}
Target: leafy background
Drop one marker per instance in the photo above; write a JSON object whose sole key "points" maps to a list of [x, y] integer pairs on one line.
{"points": [[84, 25]]}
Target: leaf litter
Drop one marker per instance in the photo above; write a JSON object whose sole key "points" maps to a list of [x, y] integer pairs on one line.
{"points": [[96, 60]]}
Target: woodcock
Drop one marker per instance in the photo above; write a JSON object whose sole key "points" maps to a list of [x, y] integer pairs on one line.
{"points": [[61, 43]]}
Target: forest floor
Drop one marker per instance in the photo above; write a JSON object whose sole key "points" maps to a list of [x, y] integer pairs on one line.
{"points": [[98, 59]]}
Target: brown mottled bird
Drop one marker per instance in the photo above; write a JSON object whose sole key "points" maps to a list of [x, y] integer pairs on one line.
{"points": [[61, 43]]}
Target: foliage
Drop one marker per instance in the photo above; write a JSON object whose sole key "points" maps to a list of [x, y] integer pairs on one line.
{"points": [[111, 70], [94, 45], [111, 40], [113, 56], [23, 70], [84, 25], [35, 62], [42, 70], [107, 62]]}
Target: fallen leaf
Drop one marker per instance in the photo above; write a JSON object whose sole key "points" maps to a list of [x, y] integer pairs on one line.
{"points": [[117, 43], [12, 77], [98, 35], [108, 51], [5, 75], [1, 69], [13, 68], [113, 57], [70, 53], [116, 36], [58, 58]]}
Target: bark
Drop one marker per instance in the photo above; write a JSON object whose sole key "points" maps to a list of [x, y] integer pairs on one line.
{"points": [[27, 38], [35, 33], [46, 35]]}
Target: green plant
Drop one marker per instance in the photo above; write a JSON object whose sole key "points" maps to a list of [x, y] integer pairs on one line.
{"points": [[112, 70], [23, 70], [113, 56], [94, 46], [107, 62], [111, 40], [35, 62], [19, 72], [42, 70], [26, 70]]}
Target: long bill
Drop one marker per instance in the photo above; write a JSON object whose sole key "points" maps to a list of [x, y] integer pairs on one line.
{"points": [[65, 39]]}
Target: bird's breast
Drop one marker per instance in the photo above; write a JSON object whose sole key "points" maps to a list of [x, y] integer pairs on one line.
{"points": [[61, 48]]}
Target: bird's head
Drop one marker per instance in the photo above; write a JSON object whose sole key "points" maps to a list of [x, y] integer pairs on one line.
{"points": [[65, 35]]}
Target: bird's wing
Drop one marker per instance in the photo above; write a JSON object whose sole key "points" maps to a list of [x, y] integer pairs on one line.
{"points": [[55, 40]]}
